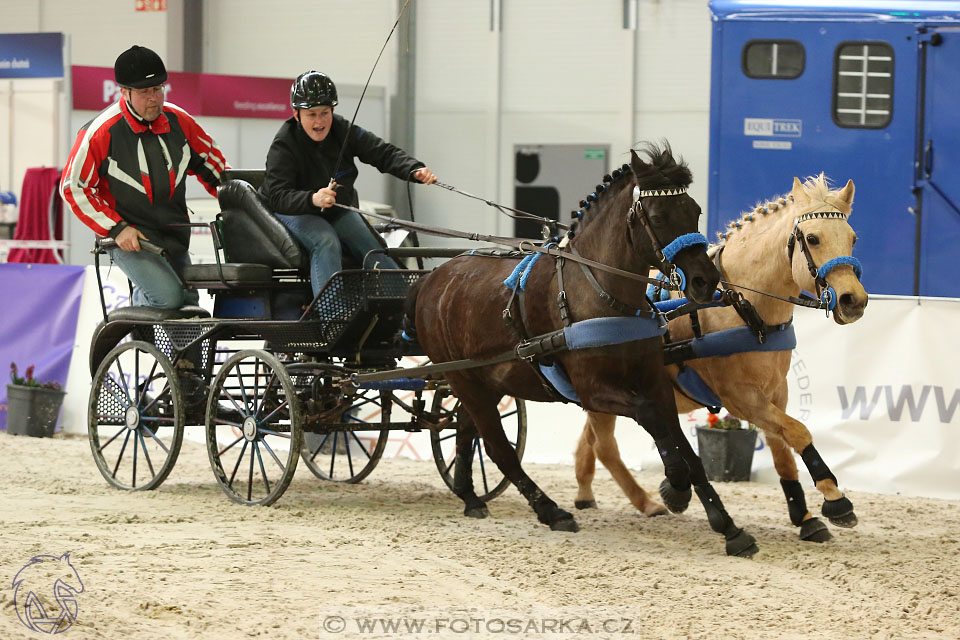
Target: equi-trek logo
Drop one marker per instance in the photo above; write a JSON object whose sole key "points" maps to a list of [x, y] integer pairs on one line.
{"points": [[774, 127], [901, 403]]}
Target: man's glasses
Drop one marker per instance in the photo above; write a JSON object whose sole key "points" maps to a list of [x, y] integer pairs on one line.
{"points": [[149, 91]]}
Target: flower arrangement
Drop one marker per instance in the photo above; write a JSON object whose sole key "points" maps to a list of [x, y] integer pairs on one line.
{"points": [[727, 423], [28, 380]]}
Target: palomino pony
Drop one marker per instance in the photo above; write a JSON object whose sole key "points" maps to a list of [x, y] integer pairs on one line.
{"points": [[762, 251], [463, 310]]}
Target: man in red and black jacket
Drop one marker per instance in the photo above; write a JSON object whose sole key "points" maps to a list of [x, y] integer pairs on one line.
{"points": [[125, 178]]}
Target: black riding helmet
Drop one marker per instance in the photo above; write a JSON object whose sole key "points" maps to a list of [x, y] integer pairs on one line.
{"points": [[313, 89], [139, 68]]}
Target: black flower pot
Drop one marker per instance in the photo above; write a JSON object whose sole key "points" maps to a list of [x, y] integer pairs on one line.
{"points": [[727, 454], [32, 411]]}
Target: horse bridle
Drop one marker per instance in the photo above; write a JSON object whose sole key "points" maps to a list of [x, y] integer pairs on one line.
{"points": [[826, 294], [665, 254]]}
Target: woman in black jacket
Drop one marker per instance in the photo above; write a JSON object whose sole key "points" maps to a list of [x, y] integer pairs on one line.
{"points": [[301, 189]]}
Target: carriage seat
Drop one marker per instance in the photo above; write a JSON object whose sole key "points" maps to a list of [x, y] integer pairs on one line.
{"points": [[251, 233], [155, 314], [255, 243]]}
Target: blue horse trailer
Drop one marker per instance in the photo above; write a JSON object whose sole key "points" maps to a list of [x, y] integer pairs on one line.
{"points": [[868, 90]]}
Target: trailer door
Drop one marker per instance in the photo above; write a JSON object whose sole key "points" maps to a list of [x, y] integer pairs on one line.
{"points": [[844, 103], [939, 241]]}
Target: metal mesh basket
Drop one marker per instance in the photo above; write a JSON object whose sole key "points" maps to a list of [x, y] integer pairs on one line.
{"points": [[347, 292]]}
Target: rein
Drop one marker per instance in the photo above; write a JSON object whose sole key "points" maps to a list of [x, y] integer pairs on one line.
{"points": [[520, 215], [523, 245]]}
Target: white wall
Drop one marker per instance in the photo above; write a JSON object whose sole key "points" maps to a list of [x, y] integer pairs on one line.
{"points": [[553, 71], [99, 30], [538, 72], [284, 38]]}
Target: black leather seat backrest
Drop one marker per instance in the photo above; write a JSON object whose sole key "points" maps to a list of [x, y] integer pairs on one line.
{"points": [[252, 234], [253, 176]]}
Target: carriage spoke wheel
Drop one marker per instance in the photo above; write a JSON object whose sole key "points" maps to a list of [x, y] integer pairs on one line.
{"points": [[488, 482], [135, 417], [253, 425], [350, 454]]}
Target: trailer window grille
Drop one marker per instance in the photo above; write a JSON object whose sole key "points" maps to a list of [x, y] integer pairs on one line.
{"points": [[863, 85], [782, 59]]}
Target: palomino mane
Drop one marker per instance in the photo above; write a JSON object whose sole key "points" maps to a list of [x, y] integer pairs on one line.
{"points": [[664, 172], [817, 191]]}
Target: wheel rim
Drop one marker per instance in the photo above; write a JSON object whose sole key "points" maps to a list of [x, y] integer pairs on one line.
{"points": [[488, 482], [349, 455], [135, 417], [253, 428]]}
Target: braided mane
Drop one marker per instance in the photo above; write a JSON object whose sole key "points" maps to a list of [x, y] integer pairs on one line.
{"points": [[817, 191]]}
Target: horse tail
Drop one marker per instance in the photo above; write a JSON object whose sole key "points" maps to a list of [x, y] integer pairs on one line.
{"points": [[408, 333]]}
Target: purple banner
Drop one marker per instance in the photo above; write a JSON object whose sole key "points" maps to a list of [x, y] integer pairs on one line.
{"points": [[38, 324]]}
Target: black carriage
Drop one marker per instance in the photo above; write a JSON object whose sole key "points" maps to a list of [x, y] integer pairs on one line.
{"points": [[291, 395]]}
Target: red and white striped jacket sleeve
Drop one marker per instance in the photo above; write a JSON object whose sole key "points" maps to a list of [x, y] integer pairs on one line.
{"points": [[80, 184], [207, 162]]}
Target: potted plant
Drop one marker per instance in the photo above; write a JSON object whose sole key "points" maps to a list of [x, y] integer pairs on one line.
{"points": [[726, 448], [32, 406]]}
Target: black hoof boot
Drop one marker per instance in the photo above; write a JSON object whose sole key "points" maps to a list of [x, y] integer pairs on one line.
{"points": [[565, 523], [813, 530], [840, 512], [585, 504], [675, 499], [742, 545], [478, 512]]}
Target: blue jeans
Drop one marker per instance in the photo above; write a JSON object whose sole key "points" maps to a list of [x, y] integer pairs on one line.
{"points": [[155, 282], [326, 237]]}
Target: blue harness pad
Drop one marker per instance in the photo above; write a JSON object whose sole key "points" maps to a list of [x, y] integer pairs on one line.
{"points": [[693, 385], [602, 332], [599, 332], [669, 304], [728, 343], [741, 340], [557, 376]]}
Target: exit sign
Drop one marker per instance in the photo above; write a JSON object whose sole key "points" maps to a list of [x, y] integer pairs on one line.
{"points": [[150, 5]]}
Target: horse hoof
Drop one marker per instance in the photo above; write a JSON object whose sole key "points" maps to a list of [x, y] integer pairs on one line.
{"points": [[847, 521], [813, 530], [565, 524], [839, 512], [655, 510], [676, 500], [585, 504], [742, 545], [476, 512]]}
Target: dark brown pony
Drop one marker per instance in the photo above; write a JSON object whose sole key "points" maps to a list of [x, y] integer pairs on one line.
{"points": [[460, 309]]}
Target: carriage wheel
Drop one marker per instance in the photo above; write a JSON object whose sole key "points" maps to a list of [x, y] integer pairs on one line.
{"points": [[350, 455], [486, 476], [253, 428], [135, 417]]}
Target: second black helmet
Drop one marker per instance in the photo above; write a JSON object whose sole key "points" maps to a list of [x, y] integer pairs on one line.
{"points": [[313, 89]]}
